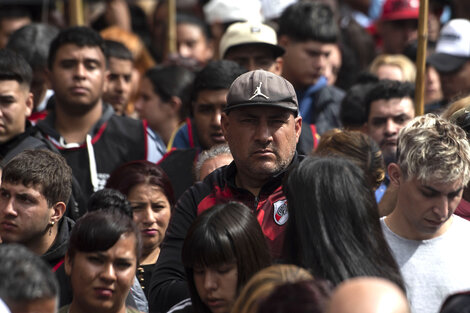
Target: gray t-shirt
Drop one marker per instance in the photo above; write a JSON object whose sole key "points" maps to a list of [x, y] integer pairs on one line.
{"points": [[434, 268]]}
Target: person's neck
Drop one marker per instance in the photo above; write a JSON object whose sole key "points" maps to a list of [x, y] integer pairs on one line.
{"points": [[74, 128], [41, 244], [251, 184], [166, 130], [150, 256]]}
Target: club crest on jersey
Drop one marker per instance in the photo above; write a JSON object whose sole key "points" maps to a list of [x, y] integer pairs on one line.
{"points": [[281, 214]]}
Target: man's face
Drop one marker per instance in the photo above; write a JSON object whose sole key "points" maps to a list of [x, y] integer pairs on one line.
{"points": [[456, 83], [396, 35], [118, 86], [304, 61], [77, 77], [254, 57], [262, 139], [207, 111], [424, 209], [386, 118], [9, 25], [191, 43], [16, 104], [24, 214]]}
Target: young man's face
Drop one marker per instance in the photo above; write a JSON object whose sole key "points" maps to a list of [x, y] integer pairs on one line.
{"points": [[24, 214], [16, 104], [304, 61], [254, 57], [424, 209], [9, 25], [118, 86], [456, 83], [396, 35], [386, 118], [207, 110], [77, 77]]}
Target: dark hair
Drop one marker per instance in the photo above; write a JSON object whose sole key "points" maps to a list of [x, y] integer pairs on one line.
{"points": [[180, 84], [388, 89], [309, 296], [109, 199], [100, 230], [14, 11], [42, 169], [457, 303], [216, 75], [222, 234], [308, 20], [14, 67], [77, 35], [182, 18], [334, 228], [24, 275], [131, 174], [115, 49], [32, 42], [353, 110]]}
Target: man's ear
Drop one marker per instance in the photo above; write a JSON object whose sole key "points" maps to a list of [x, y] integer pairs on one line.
{"points": [[58, 211], [224, 123], [365, 128], [175, 105], [278, 64], [29, 104], [283, 41], [394, 173], [298, 127]]}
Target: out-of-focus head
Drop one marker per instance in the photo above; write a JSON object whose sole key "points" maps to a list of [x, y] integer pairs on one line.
{"points": [[358, 148], [264, 282], [32, 42], [456, 303], [210, 160], [368, 295], [16, 101], [118, 85], [452, 58], [109, 199], [389, 107], [194, 39], [393, 67], [308, 32], [28, 285], [252, 45], [299, 297], [209, 99], [398, 24], [12, 17], [225, 239]]}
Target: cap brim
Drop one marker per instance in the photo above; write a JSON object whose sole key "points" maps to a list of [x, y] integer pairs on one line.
{"points": [[285, 105], [277, 50], [446, 63]]}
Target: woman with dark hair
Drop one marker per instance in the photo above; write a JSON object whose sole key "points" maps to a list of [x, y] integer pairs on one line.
{"points": [[150, 194], [333, 228], [101, 261], [164, 102], [224, 247]]}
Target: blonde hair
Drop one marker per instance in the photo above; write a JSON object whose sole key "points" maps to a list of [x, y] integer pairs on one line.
{"points": [[456, 106], [431, 148], [264, 282], [358, 148], [402, 62]]}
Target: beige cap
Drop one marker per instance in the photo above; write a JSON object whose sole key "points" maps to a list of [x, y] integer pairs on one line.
{"points": [[249, 33]]}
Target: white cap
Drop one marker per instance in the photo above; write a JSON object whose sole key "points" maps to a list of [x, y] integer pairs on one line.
{"points": [[224, 11], [249, 33]]}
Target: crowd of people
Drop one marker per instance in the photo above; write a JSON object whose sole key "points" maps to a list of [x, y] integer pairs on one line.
{"points": [[273, 163]]}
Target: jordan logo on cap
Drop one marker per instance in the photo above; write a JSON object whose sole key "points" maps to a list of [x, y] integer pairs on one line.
{"points": [[258, 92]]}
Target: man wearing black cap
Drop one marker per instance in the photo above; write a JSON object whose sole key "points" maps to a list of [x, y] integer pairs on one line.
{"points": [[262, 126], [452, 59]]}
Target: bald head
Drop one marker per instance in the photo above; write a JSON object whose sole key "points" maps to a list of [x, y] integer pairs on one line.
{"points": [[368, 295]]}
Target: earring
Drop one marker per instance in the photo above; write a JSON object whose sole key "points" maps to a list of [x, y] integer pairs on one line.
{"points": [[50, 228]]}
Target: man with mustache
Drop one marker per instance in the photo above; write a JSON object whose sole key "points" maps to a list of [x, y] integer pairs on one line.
{"points": [[389, 107], [262, 126]]}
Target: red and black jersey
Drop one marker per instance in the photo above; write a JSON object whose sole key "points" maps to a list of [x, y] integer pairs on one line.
{"points": [[168, 285]]}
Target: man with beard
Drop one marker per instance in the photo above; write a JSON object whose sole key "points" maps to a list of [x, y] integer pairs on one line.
{"points": [[262, 126], [389, 107]]}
